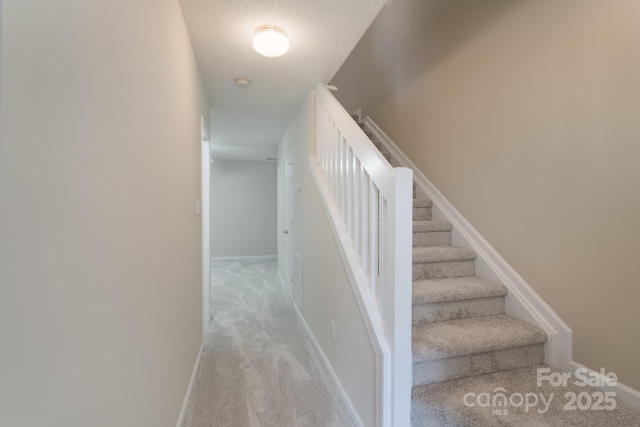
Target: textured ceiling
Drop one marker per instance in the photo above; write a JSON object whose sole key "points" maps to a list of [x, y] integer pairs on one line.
{"points": [[253, 120]]}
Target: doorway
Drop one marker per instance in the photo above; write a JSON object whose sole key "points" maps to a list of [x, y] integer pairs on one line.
{"points": [[288, 223], [204, 209]]}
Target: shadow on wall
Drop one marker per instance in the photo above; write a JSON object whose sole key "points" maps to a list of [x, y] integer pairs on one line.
{"points": [[427, 23]]}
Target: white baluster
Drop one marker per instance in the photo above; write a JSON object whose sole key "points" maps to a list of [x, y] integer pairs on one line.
{"points": [[373, 237], [371, 202], [364, 220], [382, 259]]}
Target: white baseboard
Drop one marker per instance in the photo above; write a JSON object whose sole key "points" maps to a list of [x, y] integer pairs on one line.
{"points": [[286, 288], [521, 301], [245, 258], [192, 380], [332, 374], [623, 392]]}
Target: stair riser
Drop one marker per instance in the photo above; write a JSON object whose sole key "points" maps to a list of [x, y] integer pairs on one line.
{"points": [[436, 371], [432, 238], [439, 270], [449, 310], [422, 214]]}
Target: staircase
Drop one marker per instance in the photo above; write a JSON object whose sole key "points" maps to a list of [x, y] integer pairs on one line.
{"points": [[406, 273], [465, 346], [461, 346], [459, 324], [460, 328]]}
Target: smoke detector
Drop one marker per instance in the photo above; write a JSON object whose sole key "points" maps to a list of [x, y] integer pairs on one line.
{"points": [[243, 82]]}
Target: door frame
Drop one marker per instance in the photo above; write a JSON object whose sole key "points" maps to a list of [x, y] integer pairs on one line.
{"points": [[205, 209], [289, 225]]}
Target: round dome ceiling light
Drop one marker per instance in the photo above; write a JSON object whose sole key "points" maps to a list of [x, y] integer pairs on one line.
{"points": [[270, 40]]}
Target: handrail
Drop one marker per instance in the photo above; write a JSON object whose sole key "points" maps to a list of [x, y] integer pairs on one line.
{"points": [[372, 203]]}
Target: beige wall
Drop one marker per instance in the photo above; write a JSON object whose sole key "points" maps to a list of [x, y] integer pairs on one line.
{"points": [[100, 278], [243, 208], [327, 293], [525, 115]]}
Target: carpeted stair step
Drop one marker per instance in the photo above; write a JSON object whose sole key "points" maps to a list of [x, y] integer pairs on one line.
{"points": [[432, 233], [480, 345], [444, 404], [422, 209], [440, 300], [436, 262]]}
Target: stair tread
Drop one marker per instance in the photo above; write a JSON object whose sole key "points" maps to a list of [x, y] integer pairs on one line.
{"points": [[462, 337], [429, 226], [442, 254], [430, 291], [443, 403], [422, 203]]}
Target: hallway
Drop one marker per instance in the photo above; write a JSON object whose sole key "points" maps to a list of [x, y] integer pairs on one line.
{"points": [[258, 366]]}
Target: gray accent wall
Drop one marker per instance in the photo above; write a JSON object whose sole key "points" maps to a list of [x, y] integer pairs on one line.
{"points": [[243, 208]]}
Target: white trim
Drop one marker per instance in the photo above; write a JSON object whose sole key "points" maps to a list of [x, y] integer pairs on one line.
{"points": [[282, 281], [363, 195], [192, 381], [332, 374], [245, 258], [623, 392], [521, 301], [205, 213], [289, 225], [366, 301]]}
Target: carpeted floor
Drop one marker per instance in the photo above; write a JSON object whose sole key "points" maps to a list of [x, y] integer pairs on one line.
{"points": [[258, 367]]}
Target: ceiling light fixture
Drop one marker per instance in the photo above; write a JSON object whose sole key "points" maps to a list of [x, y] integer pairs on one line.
{"points": [[270, 40]]}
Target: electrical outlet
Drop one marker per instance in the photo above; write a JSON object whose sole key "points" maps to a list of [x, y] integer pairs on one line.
{"points": [[333, 330]]}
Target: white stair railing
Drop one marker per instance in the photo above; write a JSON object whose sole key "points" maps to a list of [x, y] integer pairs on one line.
{"points": [[370, 206]]}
